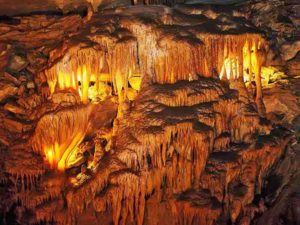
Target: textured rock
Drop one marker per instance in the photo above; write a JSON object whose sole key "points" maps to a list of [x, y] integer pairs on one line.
{"points": [[293, 66], [13, 125], [7, 90], [5, 51], [282, 185], [20, 7], [283, 102], [14, 108], [8, 77], [278, 20], [17, 63], [4, 140], [289, 51], [65, 98], [30, 102], [30, 85]]}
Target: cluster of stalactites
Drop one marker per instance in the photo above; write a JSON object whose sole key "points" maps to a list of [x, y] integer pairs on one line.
{"points": [[244, 60], [229, 56], [176, 166], [126, 194], [226, 56], [125, 191], [239, 57], [57, 135], [94, 73], [173, 59]]}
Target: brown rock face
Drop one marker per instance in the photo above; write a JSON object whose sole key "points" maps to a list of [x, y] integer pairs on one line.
{"points": [[7, 90], [279, 20], [140, 115], [31, 6]]}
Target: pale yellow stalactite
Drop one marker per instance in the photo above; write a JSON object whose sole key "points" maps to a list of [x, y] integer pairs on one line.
{"points": [[257, 70], [52, 85], [222, 73], [241, 64], [233, 68], [85, 82], [259, 58], [74, 81], [60, 80], [247, 59], [227, 65]]}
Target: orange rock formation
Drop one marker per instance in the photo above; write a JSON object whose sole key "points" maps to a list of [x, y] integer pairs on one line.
{"points": [[142, 117]]}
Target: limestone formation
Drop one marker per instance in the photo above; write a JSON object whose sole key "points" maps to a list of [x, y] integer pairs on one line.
{"points": [[147, 114]]}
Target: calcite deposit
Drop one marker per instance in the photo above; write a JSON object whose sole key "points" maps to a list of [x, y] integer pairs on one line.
{"points": [[145, 114]]}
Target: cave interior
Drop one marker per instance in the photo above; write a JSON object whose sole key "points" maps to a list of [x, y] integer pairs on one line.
{"points": [[155, 112]]}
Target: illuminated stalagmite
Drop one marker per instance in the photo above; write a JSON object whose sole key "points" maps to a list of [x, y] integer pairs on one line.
{"points": [[146, 118]]}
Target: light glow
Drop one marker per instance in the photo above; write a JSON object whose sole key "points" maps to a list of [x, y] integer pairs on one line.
{"points": [[93, 86], [248, 64], [52, 155]]}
